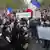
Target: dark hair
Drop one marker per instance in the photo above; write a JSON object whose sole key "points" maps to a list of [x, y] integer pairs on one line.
{"points": [[14, 12], [24, 20]]}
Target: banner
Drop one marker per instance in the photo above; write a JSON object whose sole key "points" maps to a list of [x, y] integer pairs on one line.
{"points": [[29, 10], [43, 32], [23, 15]]}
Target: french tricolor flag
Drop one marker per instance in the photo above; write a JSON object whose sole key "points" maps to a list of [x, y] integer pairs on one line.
{"points": [[32, 6], [9, 10]]}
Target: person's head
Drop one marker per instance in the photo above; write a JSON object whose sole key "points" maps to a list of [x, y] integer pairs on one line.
{"points": [[23, 21]]}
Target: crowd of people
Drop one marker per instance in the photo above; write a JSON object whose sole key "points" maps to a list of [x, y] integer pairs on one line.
{"points": [[45, 18], [13, 31], [43, 21]]}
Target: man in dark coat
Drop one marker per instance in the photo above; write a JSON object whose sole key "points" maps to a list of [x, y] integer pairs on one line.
{"points": [[15, 38]]}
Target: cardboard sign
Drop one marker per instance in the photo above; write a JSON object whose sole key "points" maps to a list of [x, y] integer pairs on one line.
{"points": [[43, 32], [23, 15]]}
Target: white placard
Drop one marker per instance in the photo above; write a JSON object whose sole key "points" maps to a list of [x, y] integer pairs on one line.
{"points": [[37, 14], [23, 15], [43, 32]]}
